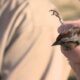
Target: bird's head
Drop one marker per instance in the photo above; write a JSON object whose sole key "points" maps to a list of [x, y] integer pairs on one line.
{"points": [[69, 39]]}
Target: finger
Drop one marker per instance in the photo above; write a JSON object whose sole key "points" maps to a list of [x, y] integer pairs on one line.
{"points": [[72, 55], [68, 24]]}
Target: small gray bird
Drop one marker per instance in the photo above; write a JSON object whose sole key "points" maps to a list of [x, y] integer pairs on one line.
{"points": [[69, 38]]}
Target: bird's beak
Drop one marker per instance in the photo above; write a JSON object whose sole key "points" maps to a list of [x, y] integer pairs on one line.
{"points": [[56, 43]]}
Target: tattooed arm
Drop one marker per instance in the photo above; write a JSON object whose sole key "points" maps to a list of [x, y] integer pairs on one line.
{"points": [[27, 32]]}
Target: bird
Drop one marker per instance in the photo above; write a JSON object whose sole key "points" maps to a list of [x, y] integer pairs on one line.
{"points": [[68, 38]]}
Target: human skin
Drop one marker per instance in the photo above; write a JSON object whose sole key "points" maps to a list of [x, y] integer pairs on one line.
{"points": [[73, 55], [31, 56]]}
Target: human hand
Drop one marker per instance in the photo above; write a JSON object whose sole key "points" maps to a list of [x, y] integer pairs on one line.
{"points": [[73, 55]]}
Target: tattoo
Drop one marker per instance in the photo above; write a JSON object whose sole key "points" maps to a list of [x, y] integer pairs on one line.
{"points": [[54, 12]]}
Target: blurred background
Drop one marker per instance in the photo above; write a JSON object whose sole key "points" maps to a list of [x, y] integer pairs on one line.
{"points": [[69, 10]]}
